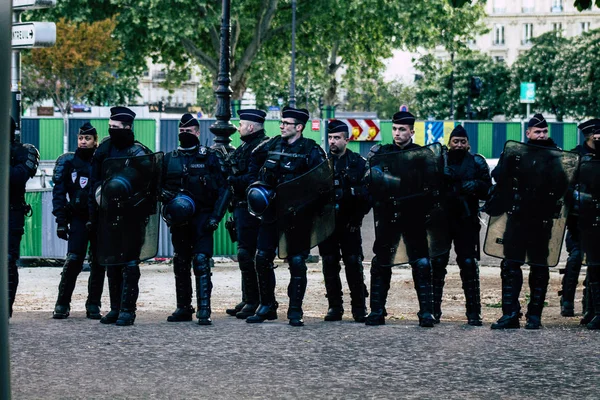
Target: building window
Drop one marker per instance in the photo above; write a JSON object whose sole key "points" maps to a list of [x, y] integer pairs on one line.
{"points": [[499, 6], [498, 35], [527, 33], [557, 28], [584, 27], [528, 6], [557, 6], [499, 59]]}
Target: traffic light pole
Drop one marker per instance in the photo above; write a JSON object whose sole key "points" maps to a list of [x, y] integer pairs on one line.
{"points": [[15, 81]]}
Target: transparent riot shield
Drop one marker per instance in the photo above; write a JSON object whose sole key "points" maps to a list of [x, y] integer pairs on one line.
{"points": [[529, 218], [589, 211], [128, 219], [305, 210], [407, 187]]}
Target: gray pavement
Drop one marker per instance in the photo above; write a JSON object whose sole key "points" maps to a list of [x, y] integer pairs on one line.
{"points": [[82, 359]]}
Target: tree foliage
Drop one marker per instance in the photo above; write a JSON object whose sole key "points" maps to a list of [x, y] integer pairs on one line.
{"points": [[84, 56]]}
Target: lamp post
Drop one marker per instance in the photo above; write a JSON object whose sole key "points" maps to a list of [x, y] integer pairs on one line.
{"points": [[292, 101], [223, 128]]}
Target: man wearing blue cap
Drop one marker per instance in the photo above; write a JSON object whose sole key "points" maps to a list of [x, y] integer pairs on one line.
{"points": [[346, 242], [528, 226], [469, 180], [252, 134], [590, 130], [24, 161], [411, 225], [194, 172], [71, 178], [123, 276], [276, 161]]}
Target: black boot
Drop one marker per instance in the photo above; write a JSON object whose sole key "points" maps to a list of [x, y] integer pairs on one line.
{"points": [[380, 284], [512, 281], [356, 282], [538, 286], [296, 289], [95, 288], [594, 293], [71, 269], [203, 288], [250, 290], [569, 284], [588, 302], [267, 309], [333, 287], [131, 291], [438, 266], [183, 290], [115, 288], [13, 283], [469, 274], [422, 276]]}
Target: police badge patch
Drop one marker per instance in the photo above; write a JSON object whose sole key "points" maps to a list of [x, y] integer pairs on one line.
{"points": [[83, 180], [73, 176]]}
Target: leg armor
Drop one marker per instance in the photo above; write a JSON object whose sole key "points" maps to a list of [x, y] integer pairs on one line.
{"points": [[438, 266], [203, 288], [183, 289], [469, 274], [131, 291], [296, 289], [512, 281], [95, 288], [356, 281], [570, 277], [266, 285], [251, 296], [422, 276], [115, 287], [333, 287], [380, 285], [71, 269]]}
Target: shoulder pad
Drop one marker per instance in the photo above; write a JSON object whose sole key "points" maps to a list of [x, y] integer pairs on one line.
{"points": [[140, 147], [59, 168], [267, 144], [376, 149]]}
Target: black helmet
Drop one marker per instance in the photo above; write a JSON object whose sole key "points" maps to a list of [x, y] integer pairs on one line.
{"points": [[179, 210], [118, 188], [259, 195]]}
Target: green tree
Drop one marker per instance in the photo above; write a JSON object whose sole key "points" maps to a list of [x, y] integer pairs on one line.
{"points": [[540, 65], [374, 94], [433, 90], [69, 71]]}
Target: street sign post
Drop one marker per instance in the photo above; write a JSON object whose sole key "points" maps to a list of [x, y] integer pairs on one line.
{"points": [[30, 35], [528, 95]]}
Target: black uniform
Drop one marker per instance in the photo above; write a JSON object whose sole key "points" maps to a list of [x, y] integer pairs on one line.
{"points": [[271, 164], [246, 225], [24, 161], [517, 245], [198, 171], [468, 182], [573, 265], [410, 222], [70, 207], [346, 242], [122, 279]]}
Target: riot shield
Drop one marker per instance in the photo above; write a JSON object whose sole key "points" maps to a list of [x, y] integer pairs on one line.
{"points": [[410, 221], [589, 211], [529, 218], [128, 219], [305, 210]]}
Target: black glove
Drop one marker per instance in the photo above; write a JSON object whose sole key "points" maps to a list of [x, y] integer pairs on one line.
{"points": [[449, 172], [62, 231], [211, 225], [468, 187], [89, 226], [166, 196]]}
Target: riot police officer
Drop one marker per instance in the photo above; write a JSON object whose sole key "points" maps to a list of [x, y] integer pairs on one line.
{"points": [[194, 200], [469, 181], [120, 239], [407, 219], [587, 151], [528, 231], [252, 134], [24, 161], [70, 207], [276, 161], [346, 242]]}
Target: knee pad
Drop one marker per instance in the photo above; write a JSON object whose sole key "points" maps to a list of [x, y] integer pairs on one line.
{"points": [[541, 274], [132, 270], [353, 260], [421, 263], [468, 267], [72, 257], [297, 265], [244, 256], [330, 261], [264, 261], [201, 264], [441, 260]]}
